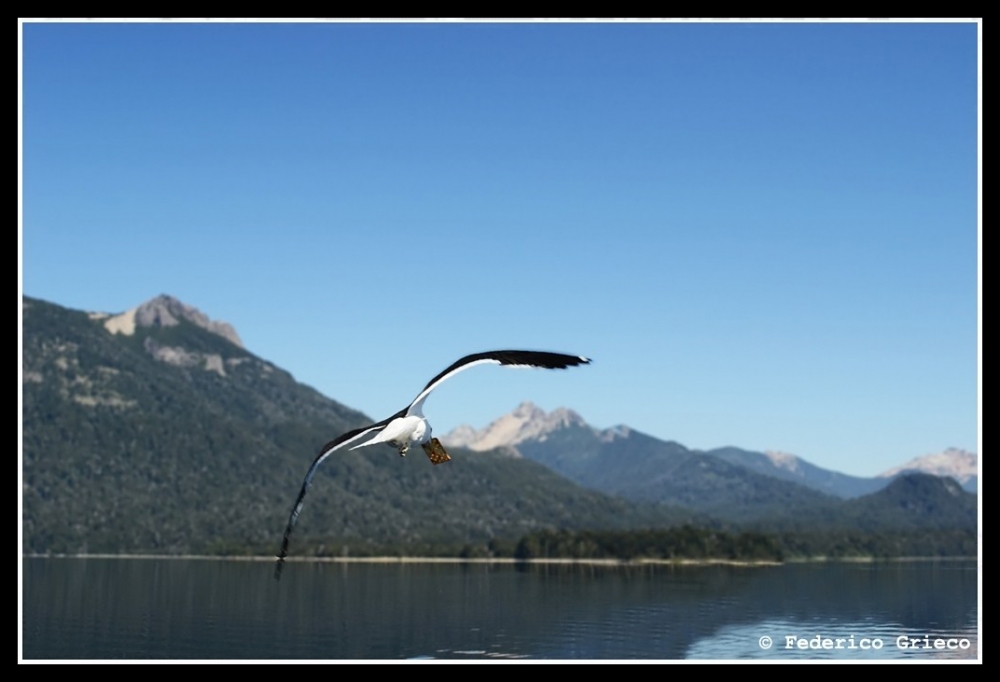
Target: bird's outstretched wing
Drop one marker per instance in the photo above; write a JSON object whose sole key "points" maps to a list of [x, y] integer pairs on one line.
{"points": [[328, 449], [511, 358]]}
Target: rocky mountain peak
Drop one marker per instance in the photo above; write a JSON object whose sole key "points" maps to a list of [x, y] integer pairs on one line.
{"points": [[166, 311], [783, 460], [527, 421], [959, 464]]}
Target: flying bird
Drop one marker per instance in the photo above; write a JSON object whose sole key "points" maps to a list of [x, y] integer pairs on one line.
{"points": [[409, 426]]}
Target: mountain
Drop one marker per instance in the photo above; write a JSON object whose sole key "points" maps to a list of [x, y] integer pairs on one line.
{"points": [[797, 470], [165, 311], [625, 462], [724, 481], [917, 500], [526, 422], [961, 465], [155, 430]]}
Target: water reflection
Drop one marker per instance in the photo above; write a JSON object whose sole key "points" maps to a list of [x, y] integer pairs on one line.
{"points": [[187, 609], [867, 640]]}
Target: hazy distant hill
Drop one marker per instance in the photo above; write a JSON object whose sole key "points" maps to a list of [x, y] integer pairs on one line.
{"points": [[155, 430], [797, 470]]}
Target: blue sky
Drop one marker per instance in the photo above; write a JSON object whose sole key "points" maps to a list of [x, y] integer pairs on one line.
{"points": [[765, 235]]}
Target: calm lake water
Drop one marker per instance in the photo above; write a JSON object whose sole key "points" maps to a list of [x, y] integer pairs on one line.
{"points": [[206, 609]]}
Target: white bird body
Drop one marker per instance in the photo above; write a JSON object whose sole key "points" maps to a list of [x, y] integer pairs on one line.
{"points": [[401, 433], [409, 427]]}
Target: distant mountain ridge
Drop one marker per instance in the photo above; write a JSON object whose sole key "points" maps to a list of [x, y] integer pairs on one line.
{"points": [[528, 428], [956, 463], [624, 462], [795, 469]]}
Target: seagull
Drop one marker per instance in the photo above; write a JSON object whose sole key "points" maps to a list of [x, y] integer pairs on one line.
{"points": [[409, 426]]}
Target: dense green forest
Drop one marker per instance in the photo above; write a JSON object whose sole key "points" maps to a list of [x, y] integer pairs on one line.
{"points": [[689, 542], [681, 543]]}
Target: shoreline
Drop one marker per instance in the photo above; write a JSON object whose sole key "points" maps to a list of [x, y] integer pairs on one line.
{"points": [[508, 560]]}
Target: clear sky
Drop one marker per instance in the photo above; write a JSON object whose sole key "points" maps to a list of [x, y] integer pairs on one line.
{"points": [[765, 235]]}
